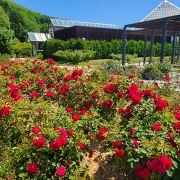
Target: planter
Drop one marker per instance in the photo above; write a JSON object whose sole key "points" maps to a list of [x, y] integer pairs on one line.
{"points": [[148, 76]]}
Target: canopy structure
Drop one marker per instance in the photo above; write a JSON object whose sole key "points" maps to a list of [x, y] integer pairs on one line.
{"points": [[37, 39], [157, 23]]}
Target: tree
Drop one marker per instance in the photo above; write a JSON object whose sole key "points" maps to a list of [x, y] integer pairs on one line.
{"points": [[4, 21], [5, 41]]}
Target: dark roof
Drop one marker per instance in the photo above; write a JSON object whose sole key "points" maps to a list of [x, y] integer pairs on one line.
{"points": [[146, 27]]}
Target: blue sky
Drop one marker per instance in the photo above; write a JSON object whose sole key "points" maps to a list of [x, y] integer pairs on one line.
{"points": [[118, 12]]}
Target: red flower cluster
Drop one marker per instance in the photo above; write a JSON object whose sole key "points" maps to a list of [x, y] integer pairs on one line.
{"points": [[32, 168], [156, 127], [61, 171], [135, 142], [160, 164], [81, 145], [75, 117], [39, 142], [134, 94], [49, 94], [60, 141], [109, 89], [103, 132], [120, 153], [14, 92], [106, 103], [167, 77], [36, 129], [51, 61], [116, 144], [142, 172], [5, 111], [177, 116], [160, 103], [34, 95], [74, 76]]}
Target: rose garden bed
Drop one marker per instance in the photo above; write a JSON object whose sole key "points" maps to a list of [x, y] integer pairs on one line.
{"points": [[50, 117]]}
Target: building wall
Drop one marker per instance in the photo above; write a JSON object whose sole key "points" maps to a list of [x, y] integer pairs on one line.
{"points": [[91, 33]]}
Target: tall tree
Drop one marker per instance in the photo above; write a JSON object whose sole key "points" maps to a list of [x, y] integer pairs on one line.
{"points": [[4, 20]]}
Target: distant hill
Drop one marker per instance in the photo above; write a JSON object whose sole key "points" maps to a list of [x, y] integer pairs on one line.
{"points": [[23, 20]]}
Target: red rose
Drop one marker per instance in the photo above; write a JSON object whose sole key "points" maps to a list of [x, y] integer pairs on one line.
{"points": [[90, 153], [5, 110], [69, 109], [36, 129], [32, 168], [49, 94], [116, 144], [121, 93], [109, 88], [135, 142], [51, 61], [103, 132], [156, 127], [34, 95], [160, 164], [120, 153], [75, 117], [177, 116], [71, 133], [131, 131], [56, 144], [81, 145], [68, 78], [61, 171], [95, 96], [142, 173], [40, 142]]}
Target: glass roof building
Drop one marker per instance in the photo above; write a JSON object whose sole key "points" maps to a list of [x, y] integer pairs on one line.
{"points": [[59, 24], [38, 37], [70, 23]]}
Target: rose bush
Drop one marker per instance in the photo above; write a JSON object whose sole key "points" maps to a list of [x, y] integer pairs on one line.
{"points": [[50, 115]]}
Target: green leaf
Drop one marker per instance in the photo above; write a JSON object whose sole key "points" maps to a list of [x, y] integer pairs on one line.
{"points": [[169, 173], [175, 164]]}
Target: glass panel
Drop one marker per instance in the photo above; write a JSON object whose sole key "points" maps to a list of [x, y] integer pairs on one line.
{"points": [[54, 22], [60, 22], [32, 37]]}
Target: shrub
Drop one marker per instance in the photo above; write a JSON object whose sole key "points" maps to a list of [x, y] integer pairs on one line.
{"points": [[51, 46], [22, 49], [49, 116], [4, 58], [74, 56]]}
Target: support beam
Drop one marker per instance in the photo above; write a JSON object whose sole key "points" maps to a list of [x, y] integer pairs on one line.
{"points": [[151, 46], [145, 48], [163, 44], [173, 48], [124, 46]]}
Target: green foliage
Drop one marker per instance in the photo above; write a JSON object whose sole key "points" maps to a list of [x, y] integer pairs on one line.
{"points": [[4, 58], [51, 46], [103, 49], [157, 70], [22, 49], [75, 56], [5, 41], [23, 20], [116, 56], [4, 21]]}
